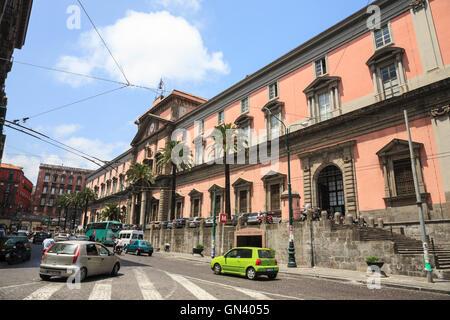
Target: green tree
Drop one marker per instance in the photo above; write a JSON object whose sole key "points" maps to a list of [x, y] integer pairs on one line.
{"points": [[85, 196], [222, 146], [168, 156], [140, 176], [111, 212]]}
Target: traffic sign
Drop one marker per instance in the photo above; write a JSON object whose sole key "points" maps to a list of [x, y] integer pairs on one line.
{"points": [[223, 218]]}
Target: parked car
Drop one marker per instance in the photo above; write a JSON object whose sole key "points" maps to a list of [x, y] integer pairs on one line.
{"points": [[234, 218], [139, 246], [163, 225], [61, 237], [254, 218], [82, 238], [126, 236], [209, 221], [11, 242], [63, 259], [195, 222], [169, 224], [180, 223], [250, 262], [273, 217], [39, 237]]}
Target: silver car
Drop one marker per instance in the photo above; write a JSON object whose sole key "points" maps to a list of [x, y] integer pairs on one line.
{"points": [[61, 237], [64, 259]]}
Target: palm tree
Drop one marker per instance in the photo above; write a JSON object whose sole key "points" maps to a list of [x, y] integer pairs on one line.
{"points": [[222, 146], [140, 176], [60, 203], [86, 195], [65, 203], [167, 156], [111, 212], [74, 202]]}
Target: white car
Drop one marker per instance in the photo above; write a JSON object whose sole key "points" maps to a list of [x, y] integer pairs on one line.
{"points": [[65, 259], [61, 237]]}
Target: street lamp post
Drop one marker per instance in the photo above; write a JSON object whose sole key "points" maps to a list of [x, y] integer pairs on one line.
{"points": [[213, 245], [291, 249]]}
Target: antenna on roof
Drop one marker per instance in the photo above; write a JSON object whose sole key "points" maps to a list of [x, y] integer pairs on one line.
{"points": [[161, 89]]}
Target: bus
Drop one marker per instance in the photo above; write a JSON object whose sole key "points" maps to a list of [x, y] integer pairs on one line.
{"points": [[106, 232]]}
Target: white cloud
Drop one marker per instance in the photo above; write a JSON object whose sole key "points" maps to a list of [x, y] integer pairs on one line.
{"points": [[194, 5], [65, 130], [148, 46]]}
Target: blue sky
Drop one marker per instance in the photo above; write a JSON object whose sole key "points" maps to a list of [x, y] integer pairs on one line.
{"points": [[198, 46]]}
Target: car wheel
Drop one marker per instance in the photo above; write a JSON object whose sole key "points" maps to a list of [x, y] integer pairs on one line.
{"points": [[251, 274], [150, 254], [217, 269], [45, 277], [272, 276], [138, 253], [116, 269]]}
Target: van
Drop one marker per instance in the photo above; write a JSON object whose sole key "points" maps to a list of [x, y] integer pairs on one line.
{"points": [[125, 236]]}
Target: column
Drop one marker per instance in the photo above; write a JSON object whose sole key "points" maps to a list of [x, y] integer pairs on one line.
{"points": [[133, 202], [143, 208]]}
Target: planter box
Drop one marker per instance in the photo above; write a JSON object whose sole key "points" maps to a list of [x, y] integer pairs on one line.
{"points": [[197, 251]]}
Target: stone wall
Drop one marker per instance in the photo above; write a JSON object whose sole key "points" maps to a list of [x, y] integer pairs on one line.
{"points": [[317, 243], [438, 230]]}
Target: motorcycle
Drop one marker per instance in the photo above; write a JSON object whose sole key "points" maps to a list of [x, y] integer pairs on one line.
{"points": [[118, 249], [16, 254]]}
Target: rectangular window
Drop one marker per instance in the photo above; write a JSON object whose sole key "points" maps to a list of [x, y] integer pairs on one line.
{"points": [[324, 106], [61, 190], [221, 117], [196, 210], [244, 105], [47, 178], [382, 37], [389, 81], [50, 202], [44, 190], [53, 191], [273, 91], [321, 67], [275, 197], [243, 201], [42, 201], [275, 125], [198, 154], [218, 204], [404, 181]]}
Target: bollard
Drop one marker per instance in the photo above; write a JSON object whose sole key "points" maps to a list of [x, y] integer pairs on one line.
{"points": [[324, 215]]}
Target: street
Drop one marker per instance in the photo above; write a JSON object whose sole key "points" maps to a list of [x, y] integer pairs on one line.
{"points": [[163, 277]]}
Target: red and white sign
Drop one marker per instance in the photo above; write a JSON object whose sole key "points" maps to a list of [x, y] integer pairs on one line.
{"points": [[223, 218]]}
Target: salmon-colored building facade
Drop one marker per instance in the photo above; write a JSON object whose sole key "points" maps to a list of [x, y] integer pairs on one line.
{"points": [[342, 95]]}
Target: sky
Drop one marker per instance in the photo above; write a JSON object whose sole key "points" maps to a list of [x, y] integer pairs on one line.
{"points": [[201, 47]]}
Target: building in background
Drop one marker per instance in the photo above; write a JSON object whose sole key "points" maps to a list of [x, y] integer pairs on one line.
{"points": [[14, 18], [54, 181], [15, 191]]}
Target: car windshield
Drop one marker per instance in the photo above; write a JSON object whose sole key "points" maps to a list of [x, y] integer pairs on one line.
{"points": [[253, 214], [14, 240], [266, 254], [63, 248], [145, 243]]}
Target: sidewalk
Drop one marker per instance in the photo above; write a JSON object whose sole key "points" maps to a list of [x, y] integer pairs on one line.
{"points": [[396, 281]]}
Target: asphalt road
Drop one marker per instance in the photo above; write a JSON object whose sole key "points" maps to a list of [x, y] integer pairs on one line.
{"points": [[162, 277]]}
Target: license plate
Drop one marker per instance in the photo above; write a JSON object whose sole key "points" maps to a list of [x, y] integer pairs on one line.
{"points": [[271, 269], [53, 273]]}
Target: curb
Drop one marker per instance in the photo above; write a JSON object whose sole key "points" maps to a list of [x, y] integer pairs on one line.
{"points": [[391, 285]]}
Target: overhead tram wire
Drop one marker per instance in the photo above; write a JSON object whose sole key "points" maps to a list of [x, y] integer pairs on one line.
{"points": [[104, 42], [43, 135], [55, 145]]}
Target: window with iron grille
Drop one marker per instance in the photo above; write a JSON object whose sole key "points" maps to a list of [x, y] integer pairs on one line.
{"points": [[244, 105], [273, 91], [404, 181], [243, 201], [389, 81]]}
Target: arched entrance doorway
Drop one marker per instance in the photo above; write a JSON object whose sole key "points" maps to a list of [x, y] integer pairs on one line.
{"points": [[330, 188]]}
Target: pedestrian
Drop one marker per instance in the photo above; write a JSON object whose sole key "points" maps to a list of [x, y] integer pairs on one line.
{"points": [[47, 243], [92, 237]]}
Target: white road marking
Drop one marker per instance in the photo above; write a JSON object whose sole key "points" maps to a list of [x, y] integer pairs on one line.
{"points": [[102, 290], [198, 292], [148, 290], [254, 294], [45, 292]]}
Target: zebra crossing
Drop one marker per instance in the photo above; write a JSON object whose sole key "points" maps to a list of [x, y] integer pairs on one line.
{"points": [[146, 283]]}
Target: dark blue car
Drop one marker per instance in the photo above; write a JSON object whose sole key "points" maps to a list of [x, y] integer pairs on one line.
{"points": [[139, 246]]}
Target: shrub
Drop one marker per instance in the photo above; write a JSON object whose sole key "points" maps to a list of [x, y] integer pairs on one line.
{"points": [[200, 246], [372, 259]]}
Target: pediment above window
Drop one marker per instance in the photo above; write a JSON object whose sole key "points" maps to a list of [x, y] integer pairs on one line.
{"points": [[389, 52], [324, 82], [398, 146], [217, 188], [243, 119], [273, 105], [242, 183], [272, 175], [195, 193]]}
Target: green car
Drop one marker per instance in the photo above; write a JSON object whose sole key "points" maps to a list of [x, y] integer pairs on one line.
{"points": [[139, 246], [9, 244], [249, 262]]}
